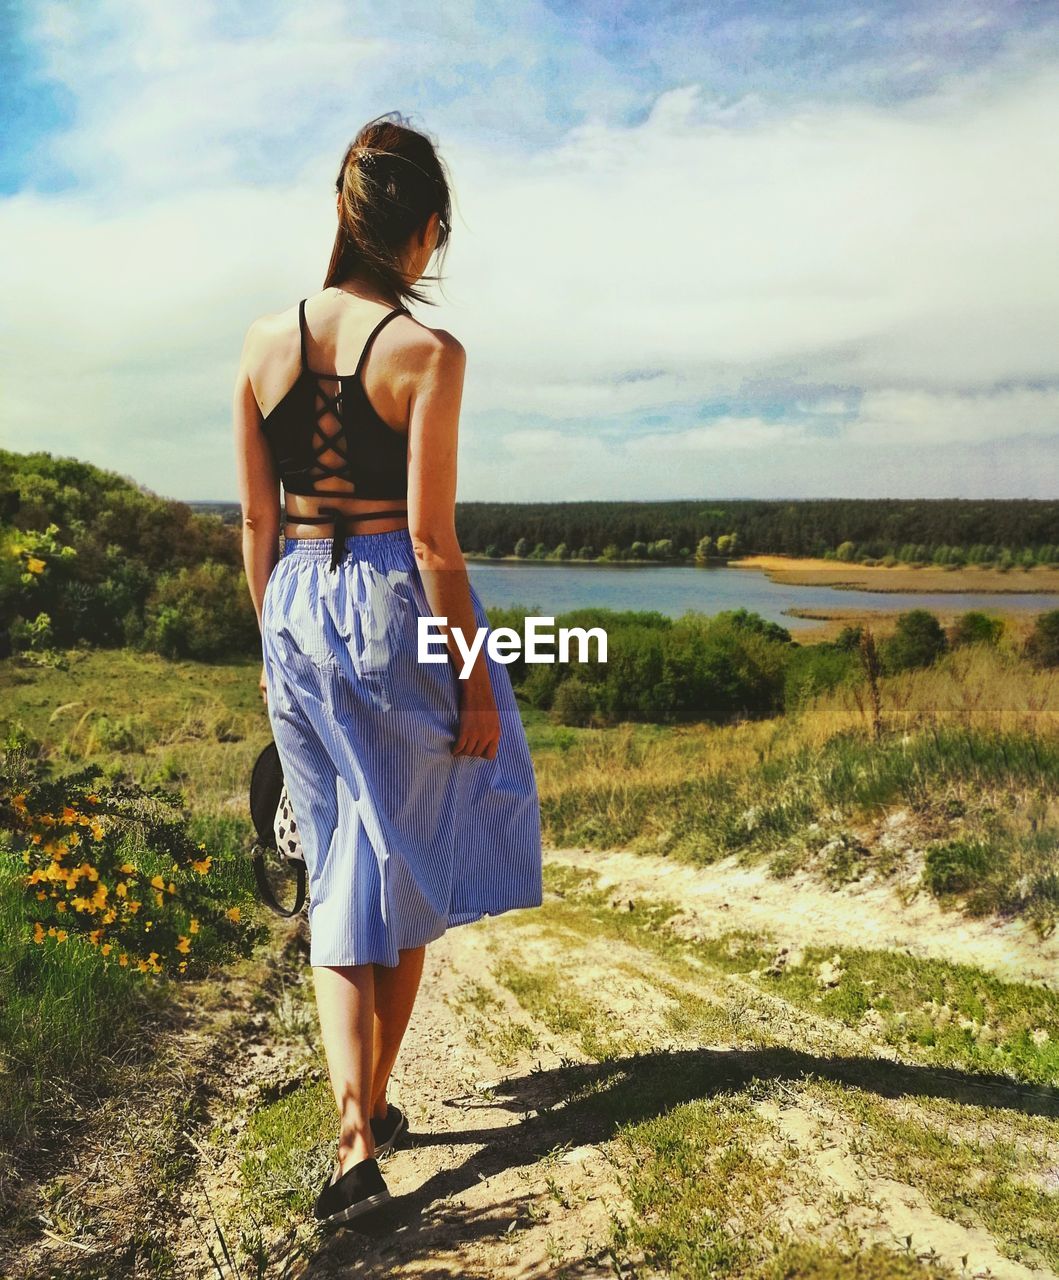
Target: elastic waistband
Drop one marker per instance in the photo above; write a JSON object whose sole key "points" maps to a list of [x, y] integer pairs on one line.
{"points": [[320, 548]]}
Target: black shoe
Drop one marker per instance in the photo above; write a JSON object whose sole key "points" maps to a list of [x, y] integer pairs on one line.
{"points": [[388, 1128], [359, 1190]]}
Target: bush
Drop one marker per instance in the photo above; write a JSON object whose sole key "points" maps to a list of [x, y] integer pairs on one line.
{"points": [[917, 641], [574, 702], [203, 612], [1042, 647], [976, 628], [814, 668]]}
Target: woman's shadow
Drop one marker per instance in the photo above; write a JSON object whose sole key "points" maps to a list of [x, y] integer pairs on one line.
{"points": [[585, 1104]]}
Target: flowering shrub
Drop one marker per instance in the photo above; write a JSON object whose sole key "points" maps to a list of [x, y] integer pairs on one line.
{"points": [[112, 866]]}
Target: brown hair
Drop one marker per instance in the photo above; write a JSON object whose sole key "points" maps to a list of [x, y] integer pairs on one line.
{"points": [[391, 181]]}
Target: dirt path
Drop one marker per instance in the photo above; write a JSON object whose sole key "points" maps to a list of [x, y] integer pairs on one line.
{"points": [[509, 1168], [799, 909]]}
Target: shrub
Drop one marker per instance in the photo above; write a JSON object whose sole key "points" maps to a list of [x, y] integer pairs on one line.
{"points": [[574, 702], [203, 612], [1042, 647], [917, 641], [110, 865], [975, 627]]}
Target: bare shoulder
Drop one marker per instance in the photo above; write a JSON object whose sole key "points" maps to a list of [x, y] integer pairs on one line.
{"points": [[275, 329], [433, 347]]}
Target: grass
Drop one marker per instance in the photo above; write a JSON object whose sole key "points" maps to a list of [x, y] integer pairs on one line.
{"points": [[72, 1027], [970, 748], [971, 1177], [970, 751], [709, 1180], [944, 1013], [67, 1020]]}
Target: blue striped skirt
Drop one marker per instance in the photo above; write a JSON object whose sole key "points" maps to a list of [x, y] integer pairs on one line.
{"points": [[401, 839]]}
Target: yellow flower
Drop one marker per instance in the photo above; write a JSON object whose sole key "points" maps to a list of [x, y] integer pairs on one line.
{"points": [[69, 815], [74, 838], [123, 959], [19, 803], [182, 965], [61, 935], [143, 966], [132, 906], [97, 829], [203, 864], [157, 882], [80, 904], [41, 895], [172, 887], [106, 949], [121, 889], [202, 844], [233, 914], [126, 868], [35, 565], [38, 932], [93, 799], [157, 899], [193, 927], [60, 906], [184, 945]]}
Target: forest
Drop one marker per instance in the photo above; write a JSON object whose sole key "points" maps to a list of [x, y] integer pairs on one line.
{"points": [[90, 556]]}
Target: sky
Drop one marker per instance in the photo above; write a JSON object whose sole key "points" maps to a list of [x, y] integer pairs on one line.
{"points": [[731, 249]]}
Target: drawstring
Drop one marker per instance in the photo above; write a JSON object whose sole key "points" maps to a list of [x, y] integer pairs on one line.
{"points": [[338, 538], [327, 515]]}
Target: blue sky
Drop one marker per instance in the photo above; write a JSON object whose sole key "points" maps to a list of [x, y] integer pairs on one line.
{"points": [[728, 249]]}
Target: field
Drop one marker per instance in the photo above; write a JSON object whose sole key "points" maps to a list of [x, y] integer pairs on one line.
{"points": [[809, 571], [790, 1009]]}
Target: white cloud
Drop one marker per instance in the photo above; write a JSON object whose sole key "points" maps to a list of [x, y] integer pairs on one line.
{"points": [[909, 251]]}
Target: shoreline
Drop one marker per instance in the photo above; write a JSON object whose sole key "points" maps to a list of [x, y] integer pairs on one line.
{"points": [[810, 571]]}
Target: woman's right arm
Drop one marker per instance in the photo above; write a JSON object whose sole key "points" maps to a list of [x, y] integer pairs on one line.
{"points": [[433, 429]]}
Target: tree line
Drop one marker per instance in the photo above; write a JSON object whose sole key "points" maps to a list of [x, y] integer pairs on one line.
{"points": [[88, 555]]}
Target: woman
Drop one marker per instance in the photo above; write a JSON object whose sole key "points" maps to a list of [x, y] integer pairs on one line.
{"points": [[412, 788]]}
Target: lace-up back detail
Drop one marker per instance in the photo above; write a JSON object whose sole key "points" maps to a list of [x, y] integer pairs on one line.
{"points": [[325, 430]]}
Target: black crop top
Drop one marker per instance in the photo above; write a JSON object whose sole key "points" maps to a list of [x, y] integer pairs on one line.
{"points": [[320, 430]]}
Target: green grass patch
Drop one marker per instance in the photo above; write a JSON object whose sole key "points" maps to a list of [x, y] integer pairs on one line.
{"points": [[944, 1013], [285, 1151], [971, 1176]]}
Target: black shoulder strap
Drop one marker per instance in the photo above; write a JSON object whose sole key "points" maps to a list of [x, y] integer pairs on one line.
{"points": [[301, 327], [397, 311]]}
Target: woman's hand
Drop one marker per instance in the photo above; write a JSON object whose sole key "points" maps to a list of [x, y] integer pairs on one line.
{"points": [[263, 686], [479, 731]]}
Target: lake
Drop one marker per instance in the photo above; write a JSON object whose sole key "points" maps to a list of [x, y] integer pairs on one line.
{"points": [[554, 588]]}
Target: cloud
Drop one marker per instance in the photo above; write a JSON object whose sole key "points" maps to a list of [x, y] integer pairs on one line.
{"points": [[891, 266]]}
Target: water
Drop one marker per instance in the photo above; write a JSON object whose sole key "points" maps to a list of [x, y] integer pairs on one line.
{"points": [[551, 589]]}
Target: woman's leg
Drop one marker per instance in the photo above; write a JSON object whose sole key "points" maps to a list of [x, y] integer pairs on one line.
{"points": [[345, 999], [395, 994]]}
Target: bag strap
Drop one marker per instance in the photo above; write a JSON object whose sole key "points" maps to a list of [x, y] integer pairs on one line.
{"points": [[264, 889]]}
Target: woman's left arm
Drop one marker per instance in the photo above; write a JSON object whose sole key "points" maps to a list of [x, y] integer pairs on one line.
{"points": [[258, 482]]}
